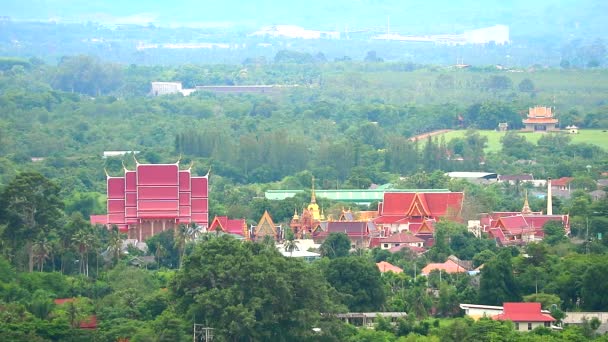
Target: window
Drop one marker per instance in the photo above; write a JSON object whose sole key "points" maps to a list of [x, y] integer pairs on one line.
{"points": [[386, 245], [529, 326], [397, 245], [516, 326]]}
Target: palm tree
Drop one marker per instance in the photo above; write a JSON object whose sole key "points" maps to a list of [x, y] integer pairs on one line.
{"points": [[42, 250], [161, 251], [290, 245], [83, 240], [115, 244], [181, 236]]}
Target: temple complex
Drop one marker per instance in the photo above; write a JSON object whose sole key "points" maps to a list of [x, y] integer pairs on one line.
{"points": [[519, 228], [540, 119], [303, 226], [154, 198]]}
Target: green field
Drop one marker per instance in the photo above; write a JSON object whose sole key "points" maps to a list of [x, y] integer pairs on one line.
{"points": [[591, 136]]}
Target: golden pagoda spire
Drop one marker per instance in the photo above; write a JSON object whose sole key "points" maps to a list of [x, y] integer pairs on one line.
{"points": [[295, 214], [526, 209], [313, 207]]}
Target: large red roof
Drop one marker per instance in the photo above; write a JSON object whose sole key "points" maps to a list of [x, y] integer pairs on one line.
{"points": [[523, 312], [398, 206]]}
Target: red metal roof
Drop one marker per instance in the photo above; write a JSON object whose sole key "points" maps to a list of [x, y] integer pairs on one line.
{"points": [[523, 312], [562, 181]]}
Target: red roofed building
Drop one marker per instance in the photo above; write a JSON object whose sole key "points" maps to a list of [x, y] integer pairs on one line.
{"points": [[226, 225], [384, 266], [562, 184], [450, 266], [154, 198], [408, 211], [540, 119], [526, 316], [359, 232], [517, 228]]}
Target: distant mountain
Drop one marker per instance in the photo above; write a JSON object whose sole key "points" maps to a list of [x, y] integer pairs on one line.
{"points": [[535, 18]]}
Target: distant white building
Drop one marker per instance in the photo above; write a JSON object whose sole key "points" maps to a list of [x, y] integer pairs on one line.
{"points": [[107, 154], [292, 31], [499, 34]]}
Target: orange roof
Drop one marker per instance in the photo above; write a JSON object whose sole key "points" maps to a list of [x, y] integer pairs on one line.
{"points": [[449, 267], [540, 120], [384, 266]]}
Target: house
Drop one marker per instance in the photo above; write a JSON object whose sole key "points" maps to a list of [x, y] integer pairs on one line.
{"points": [[449, 266], [476, 311], [597, 195], [540, 119], [400, 239], [561, 184], [525, 316], [513, 179], [384, 267], [226, 225]]}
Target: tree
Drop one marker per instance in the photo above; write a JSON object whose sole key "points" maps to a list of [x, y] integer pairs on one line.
{"points": [[30, 207], [498, 83], [248, 292], [554, 233], [335, 245], [595, 286], [358, 281], [526, 86], [497, 284]]}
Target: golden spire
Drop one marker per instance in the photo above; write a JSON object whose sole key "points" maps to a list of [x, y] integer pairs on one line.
{"points": [[295, 214], [526, 209]]}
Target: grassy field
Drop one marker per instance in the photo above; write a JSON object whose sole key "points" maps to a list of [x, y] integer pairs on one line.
{"points": [[590, 136]]}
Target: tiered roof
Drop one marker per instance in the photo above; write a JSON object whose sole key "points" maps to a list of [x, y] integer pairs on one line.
{"points": [[405, 207], [238, 227]]}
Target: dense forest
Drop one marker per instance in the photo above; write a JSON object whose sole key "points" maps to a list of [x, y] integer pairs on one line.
{"points": [[348, 124]]}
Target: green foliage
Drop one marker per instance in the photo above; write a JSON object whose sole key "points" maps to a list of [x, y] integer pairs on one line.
{"points": [[357, 280], [336, 245], [554, 233], [497, 284], [245, 290]]}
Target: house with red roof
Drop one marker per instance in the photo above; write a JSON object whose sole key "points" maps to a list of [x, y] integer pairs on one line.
{"points": [[229, 226], [562, 184], [450, 266], [384, 267], [400, 239], [409, 211], [525, 316]]}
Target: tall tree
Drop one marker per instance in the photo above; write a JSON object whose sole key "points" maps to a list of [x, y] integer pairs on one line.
{"points": [[497, 284], [30, 207], [335, 245]]}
